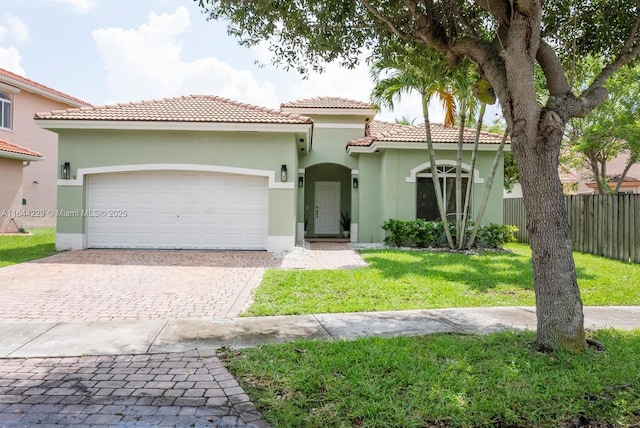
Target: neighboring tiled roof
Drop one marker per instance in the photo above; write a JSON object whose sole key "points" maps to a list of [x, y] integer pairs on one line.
{"points": [[23, 82], [8, 147], [327, 102], [627, 178], [416, 134], [379, 127], [613, 179], [566, 176], [192, 108]]}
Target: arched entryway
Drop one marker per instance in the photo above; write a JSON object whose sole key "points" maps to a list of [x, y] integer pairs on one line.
{"points": [[327, 200]]}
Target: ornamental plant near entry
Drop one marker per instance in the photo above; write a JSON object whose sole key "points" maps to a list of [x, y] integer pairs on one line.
{"points": [[423, 234]]}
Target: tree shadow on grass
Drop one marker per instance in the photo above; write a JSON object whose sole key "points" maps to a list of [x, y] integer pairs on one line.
{"points": [[479, 272]]}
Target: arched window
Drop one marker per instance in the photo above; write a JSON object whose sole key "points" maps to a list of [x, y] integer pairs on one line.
{"points": [[426, 205], [5, 111]]}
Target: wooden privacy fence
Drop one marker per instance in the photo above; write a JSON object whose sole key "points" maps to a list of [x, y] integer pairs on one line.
{"points": [[604, 225]]}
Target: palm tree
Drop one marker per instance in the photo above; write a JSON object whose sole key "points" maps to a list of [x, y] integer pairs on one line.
{"points": [[427, 72], [421, 70]]}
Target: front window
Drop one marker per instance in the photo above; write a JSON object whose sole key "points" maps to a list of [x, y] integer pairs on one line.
{"points": [[426, 205], [5, 111]]}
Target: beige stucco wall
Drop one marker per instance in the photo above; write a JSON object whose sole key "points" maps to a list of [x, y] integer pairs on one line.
{"points": [[11, 195], [39, 178]]}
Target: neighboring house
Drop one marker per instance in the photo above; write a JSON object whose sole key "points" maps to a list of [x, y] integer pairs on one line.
{"points": [[20, 99], [210, 173], [13, 160], [568, 179], [629, 184], [615, 168]]}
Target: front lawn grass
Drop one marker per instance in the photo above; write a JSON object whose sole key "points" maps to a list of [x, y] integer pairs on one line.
{"points": [[443, 380], [400, 280], [20, 248]]}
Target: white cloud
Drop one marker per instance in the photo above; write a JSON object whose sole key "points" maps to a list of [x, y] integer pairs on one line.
{"points": [[13, 27], [80, 6], [147, 62], [10, 60]]}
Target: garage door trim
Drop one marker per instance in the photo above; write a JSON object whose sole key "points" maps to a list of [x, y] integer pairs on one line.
{"points": [[270, 174]]}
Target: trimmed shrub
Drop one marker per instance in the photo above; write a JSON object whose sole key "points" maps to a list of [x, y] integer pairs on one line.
{"points": [[399, 232], [422, 234], [495, 235]]}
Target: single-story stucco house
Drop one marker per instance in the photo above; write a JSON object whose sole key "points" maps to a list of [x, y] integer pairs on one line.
{"points": [[204, 172], [13, 160]]}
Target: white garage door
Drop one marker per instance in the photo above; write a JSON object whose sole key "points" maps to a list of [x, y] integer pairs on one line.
{"points": [[177, 210]]}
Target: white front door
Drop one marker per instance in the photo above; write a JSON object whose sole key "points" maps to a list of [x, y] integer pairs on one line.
{"points": [[327, 208]]}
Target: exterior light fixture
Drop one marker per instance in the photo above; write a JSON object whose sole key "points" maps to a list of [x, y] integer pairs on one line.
{"points": [[300, 181], [283, 173], [355, 182], [65, 171]]}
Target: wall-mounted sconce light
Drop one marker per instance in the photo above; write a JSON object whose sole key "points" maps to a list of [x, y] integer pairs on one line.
{"points": [[355, 182], [300, 181], [65, 171], [283, 173]]}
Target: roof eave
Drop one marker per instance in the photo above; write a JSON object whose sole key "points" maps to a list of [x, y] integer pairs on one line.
{"points": [[330, 111], [53, 124], [20, 156], [381, 145]]}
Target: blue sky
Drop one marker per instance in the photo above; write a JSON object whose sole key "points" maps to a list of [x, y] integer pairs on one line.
{"points": [[109, 51]]}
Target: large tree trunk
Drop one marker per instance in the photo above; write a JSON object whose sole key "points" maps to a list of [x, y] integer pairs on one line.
{"points": [[558, 302], [536, 137]]}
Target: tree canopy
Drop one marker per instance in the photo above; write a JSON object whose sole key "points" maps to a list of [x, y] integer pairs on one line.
{"points": [[612, 128], [508, 41]]}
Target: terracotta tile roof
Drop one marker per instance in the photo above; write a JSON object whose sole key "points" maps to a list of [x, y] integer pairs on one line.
{"points": [[191, 108], [416, 134], [627, 178], [28, 84], [8, 147], [566, 176], [379, 127], [327, 102], [613, 179]]}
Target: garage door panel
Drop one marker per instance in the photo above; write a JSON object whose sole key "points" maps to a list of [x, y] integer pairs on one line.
{"points": [[178, 210]]}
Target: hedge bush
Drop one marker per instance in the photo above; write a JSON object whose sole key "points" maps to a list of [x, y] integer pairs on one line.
{"points": [[422, 234]]}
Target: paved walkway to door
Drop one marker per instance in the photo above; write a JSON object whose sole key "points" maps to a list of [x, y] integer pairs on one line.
{"points": [[108, 285]]}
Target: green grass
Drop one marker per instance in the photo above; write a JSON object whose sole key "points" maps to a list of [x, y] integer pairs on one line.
{"points": [[18, 248], [442, 380], [399, 280]]}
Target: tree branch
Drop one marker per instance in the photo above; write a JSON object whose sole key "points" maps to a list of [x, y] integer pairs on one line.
{"points": [[613, 67], [405, 37], [553, 70], [627, 54], [501, 10]]}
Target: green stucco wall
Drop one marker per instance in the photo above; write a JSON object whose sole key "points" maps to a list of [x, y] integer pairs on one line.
{"points": [[385, 193], [250, 150]]}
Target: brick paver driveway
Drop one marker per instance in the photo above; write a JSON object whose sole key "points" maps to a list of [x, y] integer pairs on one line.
{"points": [[103, 285], [189, 389], [183, 389]]}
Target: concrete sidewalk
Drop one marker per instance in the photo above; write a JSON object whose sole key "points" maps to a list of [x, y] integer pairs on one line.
{"points": [[167, 373], [66, 339]]}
